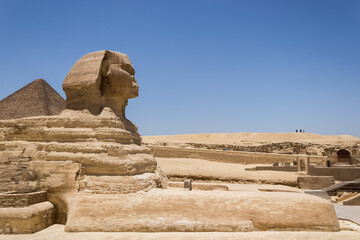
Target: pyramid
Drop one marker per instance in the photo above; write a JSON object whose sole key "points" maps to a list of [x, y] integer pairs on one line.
{"points": [[37, 98]]}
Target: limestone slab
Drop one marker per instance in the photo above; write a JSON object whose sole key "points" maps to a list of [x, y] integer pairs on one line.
{"points": [[27, 219], [196, 211]]}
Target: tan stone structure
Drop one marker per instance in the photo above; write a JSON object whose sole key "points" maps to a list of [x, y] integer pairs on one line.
{"points": [[28, 219], [200, 211], [25, 212], [315, 182]]}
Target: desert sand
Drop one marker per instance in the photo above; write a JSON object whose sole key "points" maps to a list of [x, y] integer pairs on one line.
{"points": [[209, 170], [56, 232], [251, 138]]}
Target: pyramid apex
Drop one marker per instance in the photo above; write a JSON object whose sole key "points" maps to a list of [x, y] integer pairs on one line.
{"points": [[39, 80]]}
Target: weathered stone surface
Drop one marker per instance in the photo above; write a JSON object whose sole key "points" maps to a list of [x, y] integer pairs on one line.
{"points": [[315, 182], [195, 211], [120, 184], [200, 186], [286, 168], [27, 219], [354, 200], [82, 143], [340, 173], [227, 156], [14, 199]]}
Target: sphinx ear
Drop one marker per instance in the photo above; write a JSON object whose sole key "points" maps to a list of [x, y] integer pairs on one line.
{"points": [[108, 77]]}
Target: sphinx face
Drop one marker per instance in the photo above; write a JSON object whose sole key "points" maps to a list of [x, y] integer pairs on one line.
{"points": [[123, 81], [120, 81], [101, 79]]}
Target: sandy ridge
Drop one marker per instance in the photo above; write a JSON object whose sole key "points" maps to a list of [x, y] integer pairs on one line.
{"points": [[252, 138]]}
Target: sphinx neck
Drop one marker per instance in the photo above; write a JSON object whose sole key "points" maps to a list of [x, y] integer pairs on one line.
{"points": [[118, 105]]}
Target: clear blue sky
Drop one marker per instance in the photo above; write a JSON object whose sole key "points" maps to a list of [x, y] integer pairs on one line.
{"points": [[202, 66]]}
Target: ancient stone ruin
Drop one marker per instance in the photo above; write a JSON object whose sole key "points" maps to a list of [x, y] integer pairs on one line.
{"points": [[98, 177]]}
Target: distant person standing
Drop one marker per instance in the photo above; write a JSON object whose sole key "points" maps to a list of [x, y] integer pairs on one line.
{"points": [[300, 130], [303, 130], [296, 131]]}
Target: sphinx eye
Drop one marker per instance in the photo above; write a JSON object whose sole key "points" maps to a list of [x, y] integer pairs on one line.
{"points": [[108, 77], [128, 68]]}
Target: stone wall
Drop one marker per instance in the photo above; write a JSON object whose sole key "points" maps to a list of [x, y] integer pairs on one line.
{"points": [[277, 168], [315, 182], [339, 173], [21, 199], [281, 148], [26, 219], [12, 170], [230, 156]]}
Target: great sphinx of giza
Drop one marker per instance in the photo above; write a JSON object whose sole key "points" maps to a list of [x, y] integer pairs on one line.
{"points": [[91, 146], [91, 162]]}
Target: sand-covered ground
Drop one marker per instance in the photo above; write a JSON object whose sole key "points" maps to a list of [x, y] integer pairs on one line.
{"points": [[56, 232], [213, 170], [252, 138], [210, 170]]}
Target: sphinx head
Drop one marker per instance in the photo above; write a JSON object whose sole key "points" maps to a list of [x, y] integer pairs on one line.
{"points": [[101, 79]]}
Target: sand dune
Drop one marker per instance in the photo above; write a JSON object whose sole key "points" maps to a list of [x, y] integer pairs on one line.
{"points": [[252, 138], [210, 170]]}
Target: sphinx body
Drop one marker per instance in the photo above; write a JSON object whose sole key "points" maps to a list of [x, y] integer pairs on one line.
{"points": [[90, 147]]}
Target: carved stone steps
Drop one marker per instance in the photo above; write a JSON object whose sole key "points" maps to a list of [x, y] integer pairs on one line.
{"points": [[119, 184], [71, 135], [103, 164]]}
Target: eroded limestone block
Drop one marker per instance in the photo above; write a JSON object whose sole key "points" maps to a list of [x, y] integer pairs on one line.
{"points": [[120, 184], [28, 219], [15, 199], [315, 182], [196, 211]]}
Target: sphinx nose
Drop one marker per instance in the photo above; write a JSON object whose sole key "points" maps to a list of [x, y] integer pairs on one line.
{"points": [[134, 83]]}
